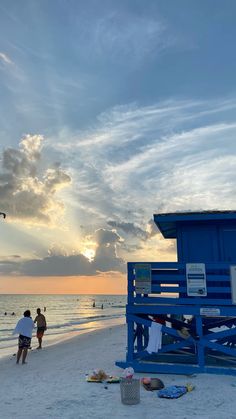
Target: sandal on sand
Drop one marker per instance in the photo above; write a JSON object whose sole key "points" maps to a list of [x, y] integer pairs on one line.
{"points": [[110, 380], [113, 379], [93, 380]]}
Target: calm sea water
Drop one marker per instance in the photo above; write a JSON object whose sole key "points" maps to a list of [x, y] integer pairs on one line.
{"points": [[65, 314]]}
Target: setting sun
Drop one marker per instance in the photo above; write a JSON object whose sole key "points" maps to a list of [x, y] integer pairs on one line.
{"points": [[89, 254]]}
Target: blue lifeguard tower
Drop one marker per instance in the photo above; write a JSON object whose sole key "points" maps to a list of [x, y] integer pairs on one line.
{"points": [[194, 298]]}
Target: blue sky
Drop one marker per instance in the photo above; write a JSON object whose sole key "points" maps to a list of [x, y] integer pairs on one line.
{"points": [[111, 111]]}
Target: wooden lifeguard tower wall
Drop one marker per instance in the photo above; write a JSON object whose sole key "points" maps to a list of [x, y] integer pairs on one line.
{"points": [[198, 293]]}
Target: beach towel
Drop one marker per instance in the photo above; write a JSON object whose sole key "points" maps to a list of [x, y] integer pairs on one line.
{"points": [[172, 392], [155, 338]]}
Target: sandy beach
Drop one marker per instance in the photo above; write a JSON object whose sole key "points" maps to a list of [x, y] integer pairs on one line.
{"points": [[53, 385]]}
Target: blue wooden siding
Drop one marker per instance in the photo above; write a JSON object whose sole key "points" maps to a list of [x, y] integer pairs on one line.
{"points": [[208, 238]]}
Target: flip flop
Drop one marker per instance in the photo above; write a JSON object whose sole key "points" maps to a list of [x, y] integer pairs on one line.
{"points": [[93, 380], [113, 380]]}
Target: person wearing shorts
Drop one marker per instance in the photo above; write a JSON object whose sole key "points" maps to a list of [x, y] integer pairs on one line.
{"points": [[24, 327], [41, 326]]}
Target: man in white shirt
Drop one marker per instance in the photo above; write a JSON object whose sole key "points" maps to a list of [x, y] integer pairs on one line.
{"points": [[24, 327]]}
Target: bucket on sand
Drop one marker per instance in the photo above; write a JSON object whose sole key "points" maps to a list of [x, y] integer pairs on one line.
{"points": [[130, 390]]}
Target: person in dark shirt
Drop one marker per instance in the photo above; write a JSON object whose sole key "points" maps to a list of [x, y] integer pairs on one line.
{"points": [[41, 326]]}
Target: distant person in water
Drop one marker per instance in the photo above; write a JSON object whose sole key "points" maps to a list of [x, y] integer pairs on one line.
{"points": [[102, 306], [94, 305], [24, 327], [41, 326]]}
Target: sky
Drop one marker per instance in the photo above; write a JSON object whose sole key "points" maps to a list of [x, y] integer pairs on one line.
{"points": [[110, 112]]}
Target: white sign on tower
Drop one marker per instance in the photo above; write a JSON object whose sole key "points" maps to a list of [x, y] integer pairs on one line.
{"points": [[196, 279]]}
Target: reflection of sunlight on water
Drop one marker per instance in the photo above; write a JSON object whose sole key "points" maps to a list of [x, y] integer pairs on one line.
{"points": [[85, 328]]}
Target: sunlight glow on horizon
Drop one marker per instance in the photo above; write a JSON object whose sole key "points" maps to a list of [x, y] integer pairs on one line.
{"points": [[113, 283]]}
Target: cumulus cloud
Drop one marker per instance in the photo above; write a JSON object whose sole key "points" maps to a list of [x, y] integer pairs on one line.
{"points": [[106, 237], [130, 229], [137, 162], [27, 192], [152, 229], [106, 258], [60, 263]]}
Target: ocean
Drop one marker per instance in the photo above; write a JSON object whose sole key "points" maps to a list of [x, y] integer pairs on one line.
{"points": [[66, 316]]}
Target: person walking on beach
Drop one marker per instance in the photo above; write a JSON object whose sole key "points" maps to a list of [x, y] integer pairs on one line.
{"points": [[24, 327], [41, 326]]}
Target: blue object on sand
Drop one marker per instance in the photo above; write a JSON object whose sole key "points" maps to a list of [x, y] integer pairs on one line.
{"points": [[172, 392]]}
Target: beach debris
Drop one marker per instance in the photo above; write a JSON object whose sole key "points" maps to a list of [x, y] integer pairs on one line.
{"points": [[128, 373], [151, 384], [190, 387], [113, 379], [99, 376], [174, 392]]}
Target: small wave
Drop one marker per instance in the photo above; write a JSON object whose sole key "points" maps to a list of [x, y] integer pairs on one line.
{"points": [[98, 317], [7, 330], [5, 339]]}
